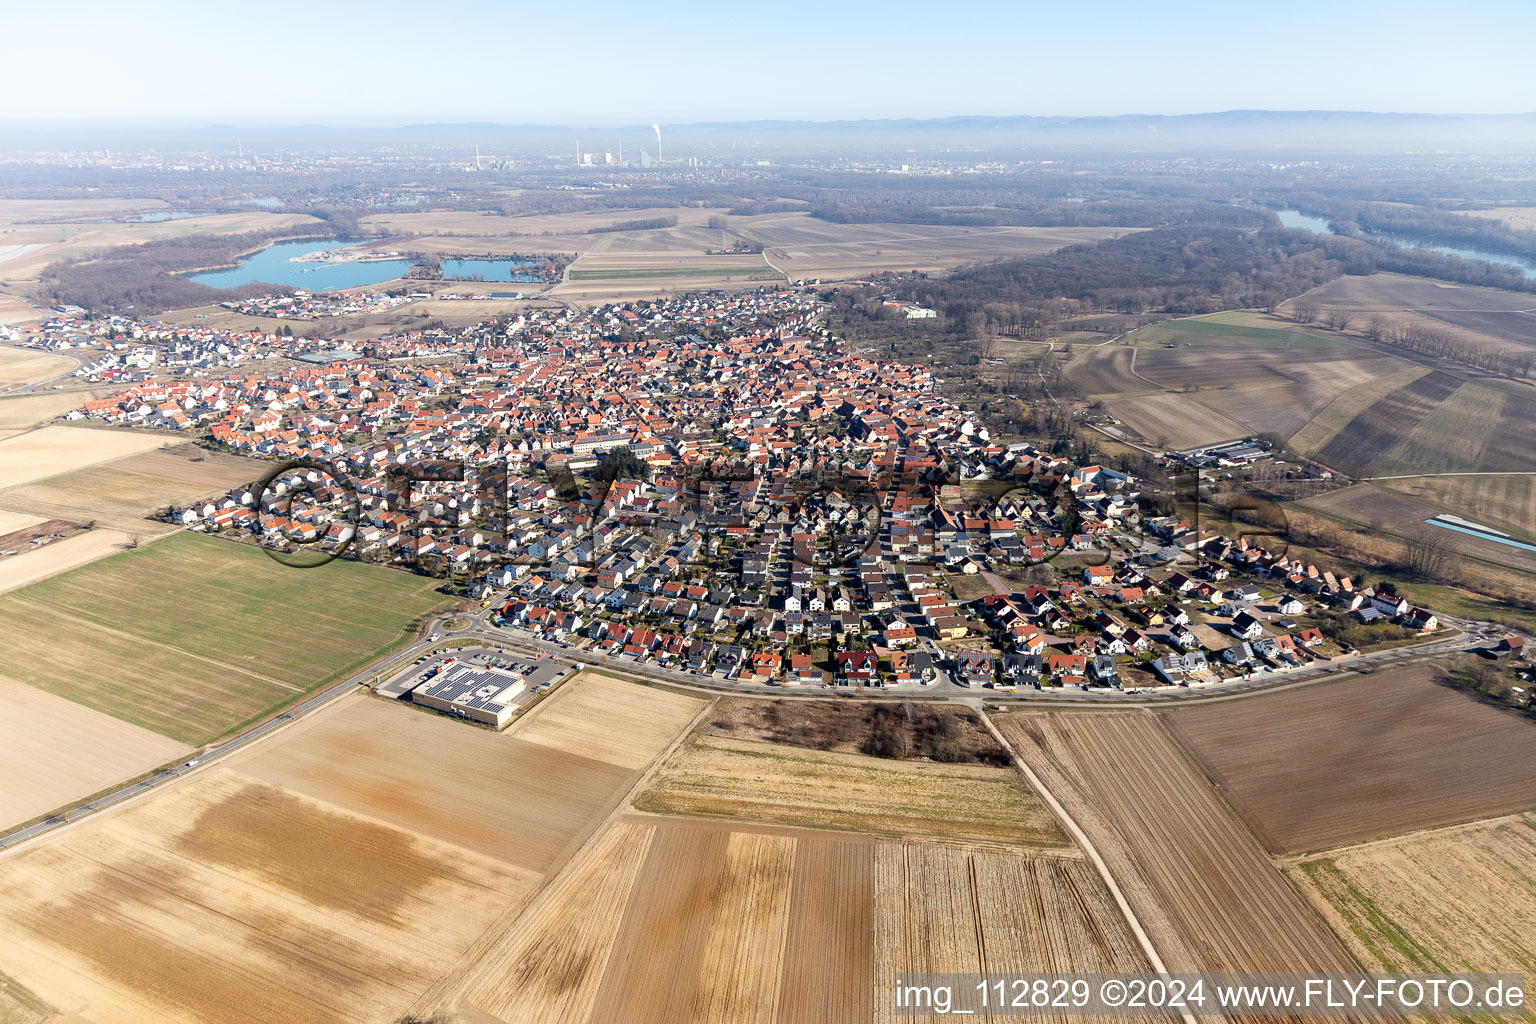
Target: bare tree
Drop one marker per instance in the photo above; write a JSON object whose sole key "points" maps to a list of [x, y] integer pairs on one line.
{"points": [[1304, 311], [1338, 319], [1425, 554]]}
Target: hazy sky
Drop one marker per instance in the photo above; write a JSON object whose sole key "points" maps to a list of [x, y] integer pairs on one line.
{"points": [[605, 63]]}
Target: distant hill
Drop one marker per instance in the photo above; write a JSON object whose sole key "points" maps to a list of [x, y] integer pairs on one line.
{"points": [[1289, 131]]}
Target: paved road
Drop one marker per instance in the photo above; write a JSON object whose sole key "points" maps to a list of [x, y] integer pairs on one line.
{"points": [[212, 754], [480, 630]]}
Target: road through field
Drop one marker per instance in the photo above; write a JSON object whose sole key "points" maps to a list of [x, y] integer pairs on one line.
{"points": [[1081, 838], [1199, 884]]}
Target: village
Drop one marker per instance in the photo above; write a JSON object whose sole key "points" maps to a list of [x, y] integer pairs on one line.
{"points": [[714, 484]]}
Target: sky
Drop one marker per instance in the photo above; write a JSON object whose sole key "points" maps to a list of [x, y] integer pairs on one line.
{"points": [[601, 63]]}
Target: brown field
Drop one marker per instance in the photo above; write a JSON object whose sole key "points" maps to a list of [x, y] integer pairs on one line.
{"points": [[1522, 218], [602, 717], [605, 270], [629, 264], [1440, 422], [1343, 409], [69, 553], [520, 800], [949, 909], [1455, 899], [804, 247], [763, 924], [1360, 759], [23, 412], [17, 311], [1367, 438], [674, 922], [121, 494], [719, 776], [1377, 511], [1488, 317], [21, 211], [49, 451], [1201, 886], [359, 856], [54, 752], [1228, 375], [27, 366], [1506, 502], [1175, 420], [60, 239], [178, 908]]}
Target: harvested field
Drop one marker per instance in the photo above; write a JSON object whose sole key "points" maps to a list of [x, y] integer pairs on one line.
{"points": [[1207, 379], [17, 311], [1175, 420], [54, 752], [77, 239], [30, 567], [10, 522], [180, 907], [1455, 899], [549, 966], [518, 801], [1504, 501], [49, 451], [780, 927], [28, 366], [937, 910], [123, 493], [753, 780], [1199, 883], [1366, 439], [1326, 424], [191, 636], [670, 922], [1491, 318], [23, 412], [1360, 759], [914, 730], [804, 247], [1522, 218], [1376, 511], [601, 717], [360, 855]]}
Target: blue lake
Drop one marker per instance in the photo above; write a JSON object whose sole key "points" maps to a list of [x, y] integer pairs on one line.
{"points": [[271, 266], [490, 270]]}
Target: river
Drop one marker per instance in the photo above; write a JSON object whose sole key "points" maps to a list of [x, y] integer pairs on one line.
{"points": [[1319, 226]]}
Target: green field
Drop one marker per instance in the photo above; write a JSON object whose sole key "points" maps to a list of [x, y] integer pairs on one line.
{"points": [[192, 637], [1226, 329]]}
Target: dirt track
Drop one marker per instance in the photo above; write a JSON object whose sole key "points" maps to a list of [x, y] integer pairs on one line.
{"points": [[1198, 881]]}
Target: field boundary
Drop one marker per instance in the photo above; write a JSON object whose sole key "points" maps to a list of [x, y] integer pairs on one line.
{"points": [[446, 991], [1067, 821]]}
